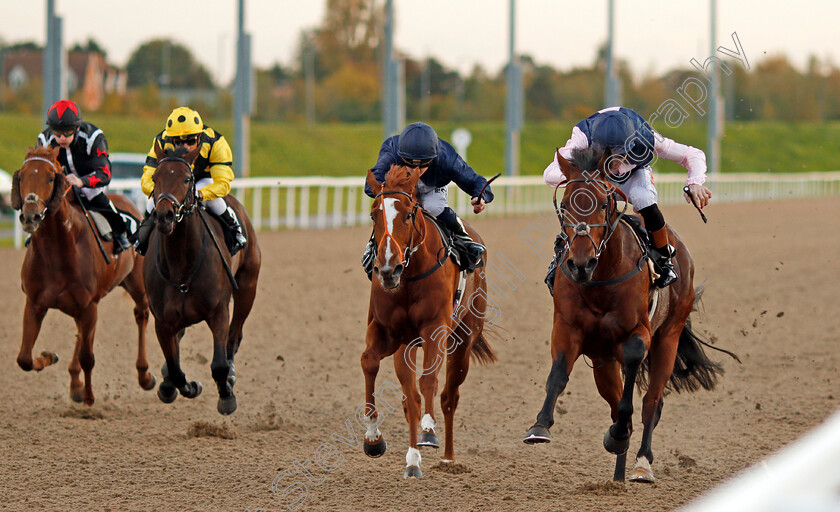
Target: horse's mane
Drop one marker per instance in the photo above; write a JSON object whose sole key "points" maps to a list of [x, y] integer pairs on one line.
{"points": [[587, 159], [177, 152], [42, 151], [398, 177]]}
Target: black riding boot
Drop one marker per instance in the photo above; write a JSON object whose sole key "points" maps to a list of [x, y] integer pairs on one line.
{"points": [[232, 223], [664, 266], [368, 257], [559, 249], [460, 236], [662, 258], [658, 231], [140, 239], [102, 204]]}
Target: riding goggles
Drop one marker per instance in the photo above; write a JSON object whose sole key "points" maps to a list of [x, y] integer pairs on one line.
{"points": [[178, 141]]}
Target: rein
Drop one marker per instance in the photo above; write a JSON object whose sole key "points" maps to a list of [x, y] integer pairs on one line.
{"points": [[184, 286]]}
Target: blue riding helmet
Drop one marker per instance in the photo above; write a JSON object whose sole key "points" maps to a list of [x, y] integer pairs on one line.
{"points": [[418, 144], [613, 130]]}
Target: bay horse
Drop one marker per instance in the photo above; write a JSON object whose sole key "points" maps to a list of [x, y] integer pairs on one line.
{"points": [[601, 311], [63, 269], [187, 280], [411, 306]]}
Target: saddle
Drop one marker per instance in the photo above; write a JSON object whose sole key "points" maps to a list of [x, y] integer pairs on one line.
{"points": [[456, 249]]}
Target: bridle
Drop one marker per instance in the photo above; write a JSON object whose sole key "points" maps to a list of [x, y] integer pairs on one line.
{"points": [[410, 249], [582, 228], [186, 207], [32, 198]]}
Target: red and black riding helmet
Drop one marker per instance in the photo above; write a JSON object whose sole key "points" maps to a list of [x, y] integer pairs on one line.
{"points": [[64, 115]]}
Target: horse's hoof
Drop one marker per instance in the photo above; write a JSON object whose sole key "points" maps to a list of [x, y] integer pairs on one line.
{"points": [[642, 472], [77, 396], [167, 393], [193, 389], [152, 383], [412, 471], [226, 405], [616, 446], [428, 439], [375, 450], [536, 435], [51, 357]]}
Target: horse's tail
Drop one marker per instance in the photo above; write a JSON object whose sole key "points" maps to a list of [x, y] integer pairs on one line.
{"points": [[481, 351], [692, 368]]}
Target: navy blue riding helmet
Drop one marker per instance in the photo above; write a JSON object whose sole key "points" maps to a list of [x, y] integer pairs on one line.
{"points": [[613, 130], [418, 144]]}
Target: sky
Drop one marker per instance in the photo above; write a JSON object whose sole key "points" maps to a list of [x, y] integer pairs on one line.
{"points": [[652, 35]]}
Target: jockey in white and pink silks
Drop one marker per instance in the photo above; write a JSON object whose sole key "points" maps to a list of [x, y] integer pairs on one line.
{"points": [[627, 134]]}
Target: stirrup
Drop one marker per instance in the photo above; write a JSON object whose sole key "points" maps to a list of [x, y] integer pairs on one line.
{"points": [[665, 267], [121, 243]]}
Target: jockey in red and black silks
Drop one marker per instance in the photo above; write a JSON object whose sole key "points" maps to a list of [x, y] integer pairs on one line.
{"points": [[84, 156]]}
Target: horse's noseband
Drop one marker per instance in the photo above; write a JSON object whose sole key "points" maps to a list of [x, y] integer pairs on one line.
{"points": [[581, 228]]}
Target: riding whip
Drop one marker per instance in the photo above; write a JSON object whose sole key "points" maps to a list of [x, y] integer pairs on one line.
{"points": [[688, 193], [90, 223]]}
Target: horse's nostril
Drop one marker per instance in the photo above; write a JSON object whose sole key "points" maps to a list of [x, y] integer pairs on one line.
{"points": [[571, 264], [376, 270], [591, 262], [37, 217], [20, 218], [398, 270]]}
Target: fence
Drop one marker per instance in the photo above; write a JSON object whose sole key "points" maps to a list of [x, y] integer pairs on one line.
{"points": [[324, 202]]}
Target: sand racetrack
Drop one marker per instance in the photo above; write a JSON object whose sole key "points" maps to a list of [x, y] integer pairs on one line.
{"points": [[770, 271]]}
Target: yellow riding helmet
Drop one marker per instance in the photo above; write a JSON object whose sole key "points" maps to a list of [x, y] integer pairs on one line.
{"points": [[183, 121]]}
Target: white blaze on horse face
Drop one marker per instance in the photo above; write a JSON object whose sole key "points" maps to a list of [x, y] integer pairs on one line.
{"points": [[412, 457], [390, 214], [427, 423], [372, 432]]}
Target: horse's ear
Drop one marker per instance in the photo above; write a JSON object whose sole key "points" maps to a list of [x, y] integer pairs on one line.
{"points": [[159, 150], [16, 200], [58, 192], [192, 155], [414, 176], [604, 162], [54, 152], [565, 165], [372, 182]]}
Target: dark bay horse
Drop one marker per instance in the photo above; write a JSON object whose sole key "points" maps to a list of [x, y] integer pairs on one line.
{"points": [[187, 280], [63, 269], [411, 306], [601, 310]]}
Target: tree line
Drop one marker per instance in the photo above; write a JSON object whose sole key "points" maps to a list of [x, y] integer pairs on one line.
{"points": [[336, 77]]}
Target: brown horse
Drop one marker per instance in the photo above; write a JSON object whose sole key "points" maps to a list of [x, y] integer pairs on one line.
{"points": [[187, 278], [411, 306], [601, 310], [63, 269]]}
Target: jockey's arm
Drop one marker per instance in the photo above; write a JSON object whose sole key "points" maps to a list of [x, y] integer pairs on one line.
{"points": [[463, 175], [552, 175], [146, 183], [387, 157], [221, 158], [99, 163], [693, 159]]}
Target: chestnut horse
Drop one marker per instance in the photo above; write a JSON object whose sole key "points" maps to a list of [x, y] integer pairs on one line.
{"points": [[411, 306], [63, 269], [187, 281], [601, 310]]}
